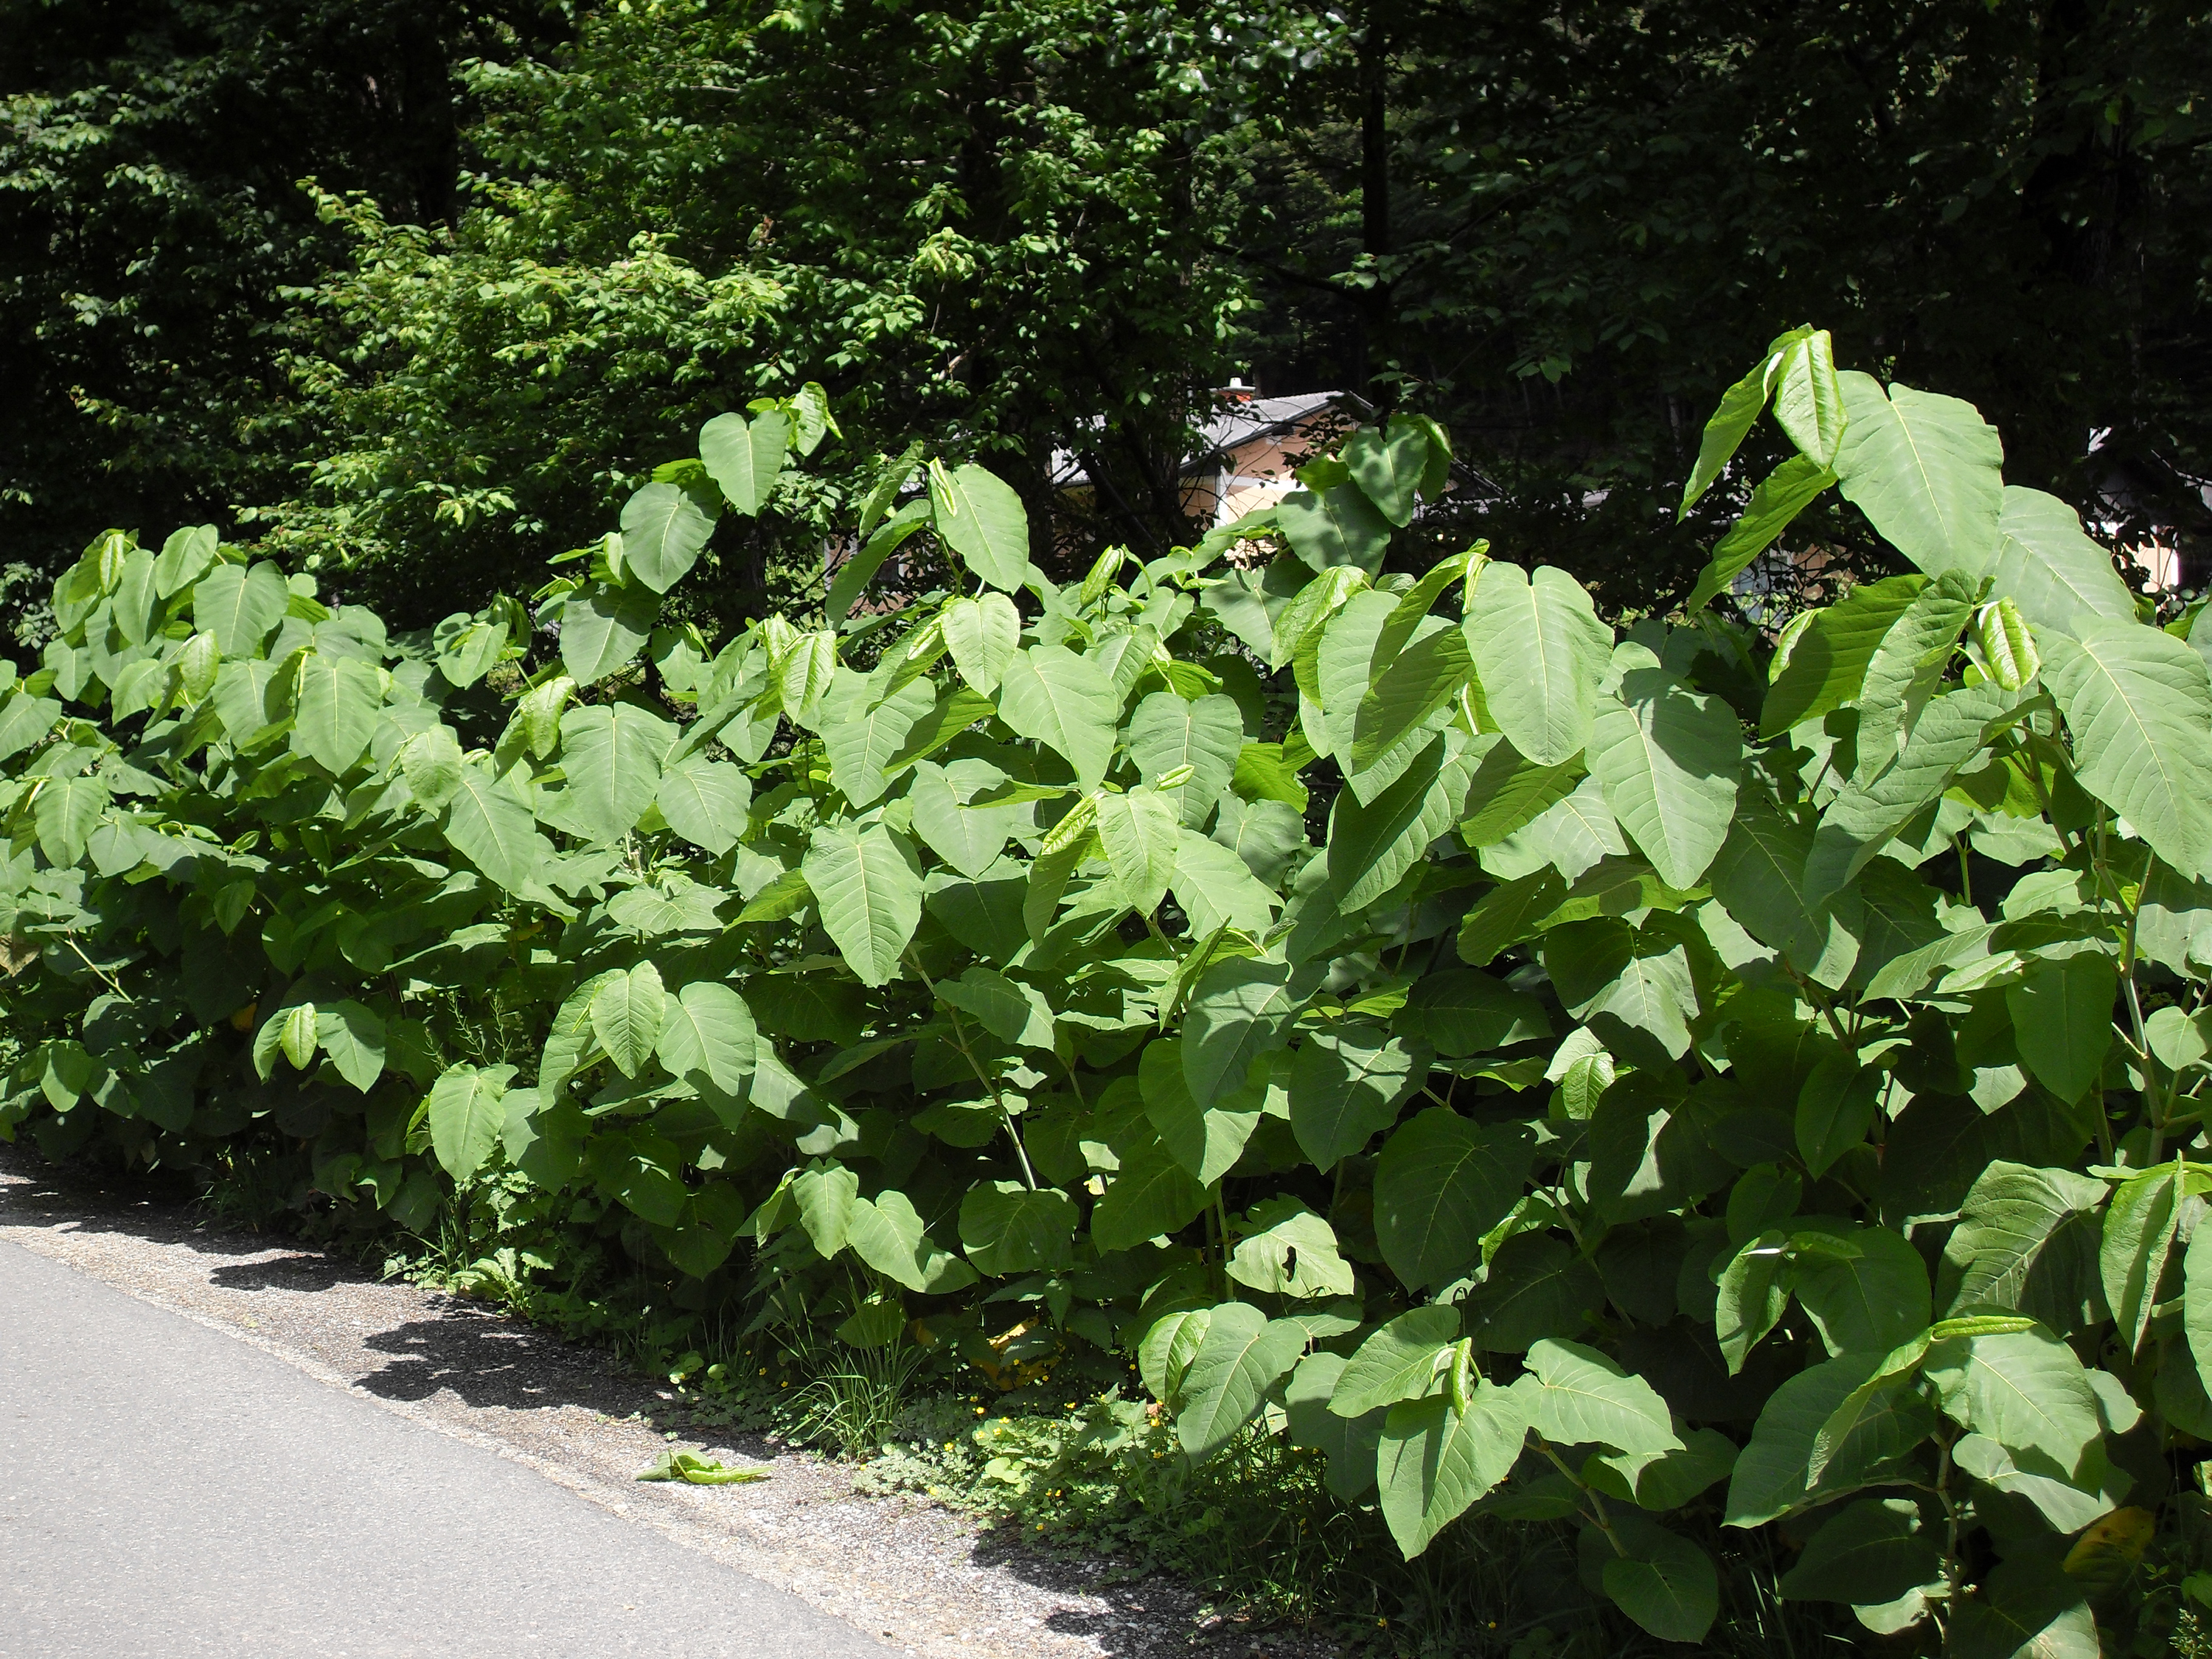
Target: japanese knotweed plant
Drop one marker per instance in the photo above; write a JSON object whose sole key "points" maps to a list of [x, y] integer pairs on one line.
{"points": [[1641, 1081]]}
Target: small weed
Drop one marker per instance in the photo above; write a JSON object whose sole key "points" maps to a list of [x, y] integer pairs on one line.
{"points": [[856, 1395]]}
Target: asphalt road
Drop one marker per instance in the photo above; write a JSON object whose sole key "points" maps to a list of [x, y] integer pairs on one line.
{"points": [[167, 1491]]}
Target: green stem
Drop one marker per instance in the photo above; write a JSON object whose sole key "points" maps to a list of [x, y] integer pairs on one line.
{"points": [[1597, 1511], [104, 977], [1221, 1213], [1955, 1572], [1828, 1008], [983, 1076]]}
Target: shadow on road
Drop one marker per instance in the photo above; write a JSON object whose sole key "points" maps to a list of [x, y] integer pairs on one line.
{"points": [[483, 1357]]}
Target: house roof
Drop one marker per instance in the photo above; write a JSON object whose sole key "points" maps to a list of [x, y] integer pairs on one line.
{"points": [[1237, 422]]}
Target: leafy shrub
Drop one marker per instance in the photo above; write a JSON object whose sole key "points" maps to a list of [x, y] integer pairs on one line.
{"points": [[1641, 1081]]}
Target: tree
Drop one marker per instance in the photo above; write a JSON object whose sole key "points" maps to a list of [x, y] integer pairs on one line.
{"points": [[151, 219], [1583, 201]]}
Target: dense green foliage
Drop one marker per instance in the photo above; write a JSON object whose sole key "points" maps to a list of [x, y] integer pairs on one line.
{"points": [[1585, 201], [1649, 1083], [1023, 228], [151, 217]]}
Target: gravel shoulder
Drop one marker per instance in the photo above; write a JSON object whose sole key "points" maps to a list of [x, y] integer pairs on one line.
{"points": [[924, 1579]]}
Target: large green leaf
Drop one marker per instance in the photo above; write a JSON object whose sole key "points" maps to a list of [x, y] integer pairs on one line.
{"points": [[1809, 400], [239, 605], [1343, 656], [1780, 497], [862, 746], [855, 573], [1167, 730], [1285, 1249], [2136, 701], [1007, 1227], [1827, 660], [611, 753], [1150, 1195], [1139, 831], [1862, 818], [67, 811], [2067, 1507], [1540, 651], [2028, 1238], [1397, 1362], [2047, 564], [2028, 1609], [980, 518], [1635, 988], [1663, 1480], [1440, 1184], [603, 627], [24, 719], [354, 1037], [626, 1017], [664, 531], [1536, 1286], [705, 802], [1268, 835], [2061, 1020], [1411, 694], [1436, 1460], [467, 1112], [1509, 790], [335, 710], [1065, 702], [824, 1195], [745, 457], [1759, 879], [1835, 1109], [1739, 408], [2024, 1389], [1346, 1086], [1462, 1012], [867, 888], [1009, 1011], [707, 1028], [968, 838], [1866, 1293], [1371, 847], [1577, 1397], [184, 556], [1238, 1009], [1668, 759], [1214, 886], [982, 635], [953, 712], [887, 1233], [1772, 1475], [1167, 1348], [1663, 1581], [1333, 527], [1907, 669], [1927, 469], [1348, 1442], [2140, 1234], [490, 823], [1244, 1354], [1389, 463], [2196, 1298], [1876, 1551]]}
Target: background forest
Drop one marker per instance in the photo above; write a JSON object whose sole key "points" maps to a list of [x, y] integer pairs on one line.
{"points": [[416, 289]]}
